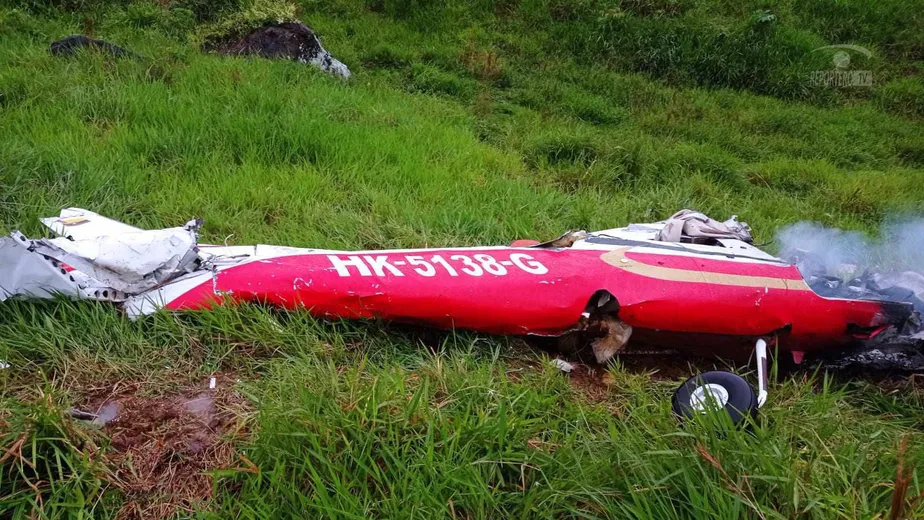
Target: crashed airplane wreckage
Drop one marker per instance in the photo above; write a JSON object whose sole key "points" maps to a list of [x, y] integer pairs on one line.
{"points": [[687, 283]]}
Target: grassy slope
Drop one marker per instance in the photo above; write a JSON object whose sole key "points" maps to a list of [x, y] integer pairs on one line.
{"points": [[469, 132]]}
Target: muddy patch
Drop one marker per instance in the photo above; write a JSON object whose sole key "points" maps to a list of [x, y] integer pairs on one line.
{"points": [[590, 381], [164, 445]]}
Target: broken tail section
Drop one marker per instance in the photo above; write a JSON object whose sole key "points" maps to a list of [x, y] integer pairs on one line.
{"points": [[95, 258]]}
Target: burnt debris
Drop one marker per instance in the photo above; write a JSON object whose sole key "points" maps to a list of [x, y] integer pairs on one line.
{"points": [[287, 40], [848, 264], [891, 351], [902, 287]]}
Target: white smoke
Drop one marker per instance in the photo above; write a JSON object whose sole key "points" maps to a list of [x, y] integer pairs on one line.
{"points": [[904, 242], [817, 248], [890, 266]]}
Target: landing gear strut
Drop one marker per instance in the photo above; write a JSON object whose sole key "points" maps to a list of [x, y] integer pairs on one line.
{"points": [[726, 391]]}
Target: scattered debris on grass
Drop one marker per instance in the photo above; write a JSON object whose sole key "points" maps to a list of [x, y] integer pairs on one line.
{"points": [[292, 40], [70, 45], [163, 446], [563, 365], [902, 354]]}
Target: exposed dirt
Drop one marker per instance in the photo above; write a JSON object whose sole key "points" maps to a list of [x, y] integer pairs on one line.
{"points": [[590, 381], [164, 445], [671, 365]]}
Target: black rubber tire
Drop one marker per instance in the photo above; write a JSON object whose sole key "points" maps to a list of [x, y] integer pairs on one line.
{"points": [[742, 398]]}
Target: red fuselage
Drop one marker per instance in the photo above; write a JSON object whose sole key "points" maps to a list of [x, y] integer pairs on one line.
{"points": [[544, 292]]}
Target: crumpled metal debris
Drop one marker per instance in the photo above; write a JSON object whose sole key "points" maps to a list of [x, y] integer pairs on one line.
{"points": [[25, 273], [105, 256], [905, 286], [615, 336], [130, 262], [896, 350]]}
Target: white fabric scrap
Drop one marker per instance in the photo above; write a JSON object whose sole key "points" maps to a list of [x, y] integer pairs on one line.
{"points": [[689, 223], [563, 365]]}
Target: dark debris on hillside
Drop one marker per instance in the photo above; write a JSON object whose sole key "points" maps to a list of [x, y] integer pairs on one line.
{"points": [[287, 40]]}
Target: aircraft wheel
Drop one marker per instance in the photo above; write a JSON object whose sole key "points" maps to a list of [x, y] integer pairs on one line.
{"points": [[719, 390]]}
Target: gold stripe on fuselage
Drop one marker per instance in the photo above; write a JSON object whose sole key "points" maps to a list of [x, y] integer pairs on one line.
{"points": [[617, 258]]}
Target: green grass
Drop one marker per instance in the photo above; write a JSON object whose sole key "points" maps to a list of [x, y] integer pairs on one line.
{"points": [[460, 127]]}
